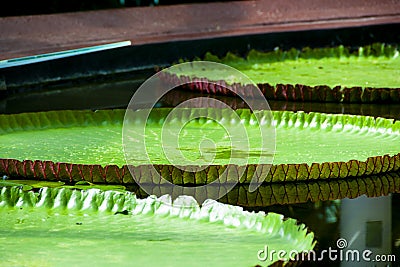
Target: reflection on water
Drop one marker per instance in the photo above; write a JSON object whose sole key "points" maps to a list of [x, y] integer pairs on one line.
{"points": [[391, 111], [118, 93], [293, 193]]}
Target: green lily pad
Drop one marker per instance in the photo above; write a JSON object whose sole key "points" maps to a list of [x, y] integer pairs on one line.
{"points": [[84, 185], [33, 183], [42, 228], [4, 183], [337, 74], [309, 146]]}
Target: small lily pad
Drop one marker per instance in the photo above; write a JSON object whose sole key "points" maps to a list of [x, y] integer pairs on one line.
{"points": [[38, 184], [84, 185], [10, 183]]}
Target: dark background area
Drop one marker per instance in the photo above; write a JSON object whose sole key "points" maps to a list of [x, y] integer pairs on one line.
{"points": [[29, 7]]}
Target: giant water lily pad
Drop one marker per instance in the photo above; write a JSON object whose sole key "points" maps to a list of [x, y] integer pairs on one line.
{"points": [[64, 227], [309, 146], [334, 74]]}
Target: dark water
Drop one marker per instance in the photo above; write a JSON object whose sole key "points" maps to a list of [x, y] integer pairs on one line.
{"points": [[328, 219]]}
